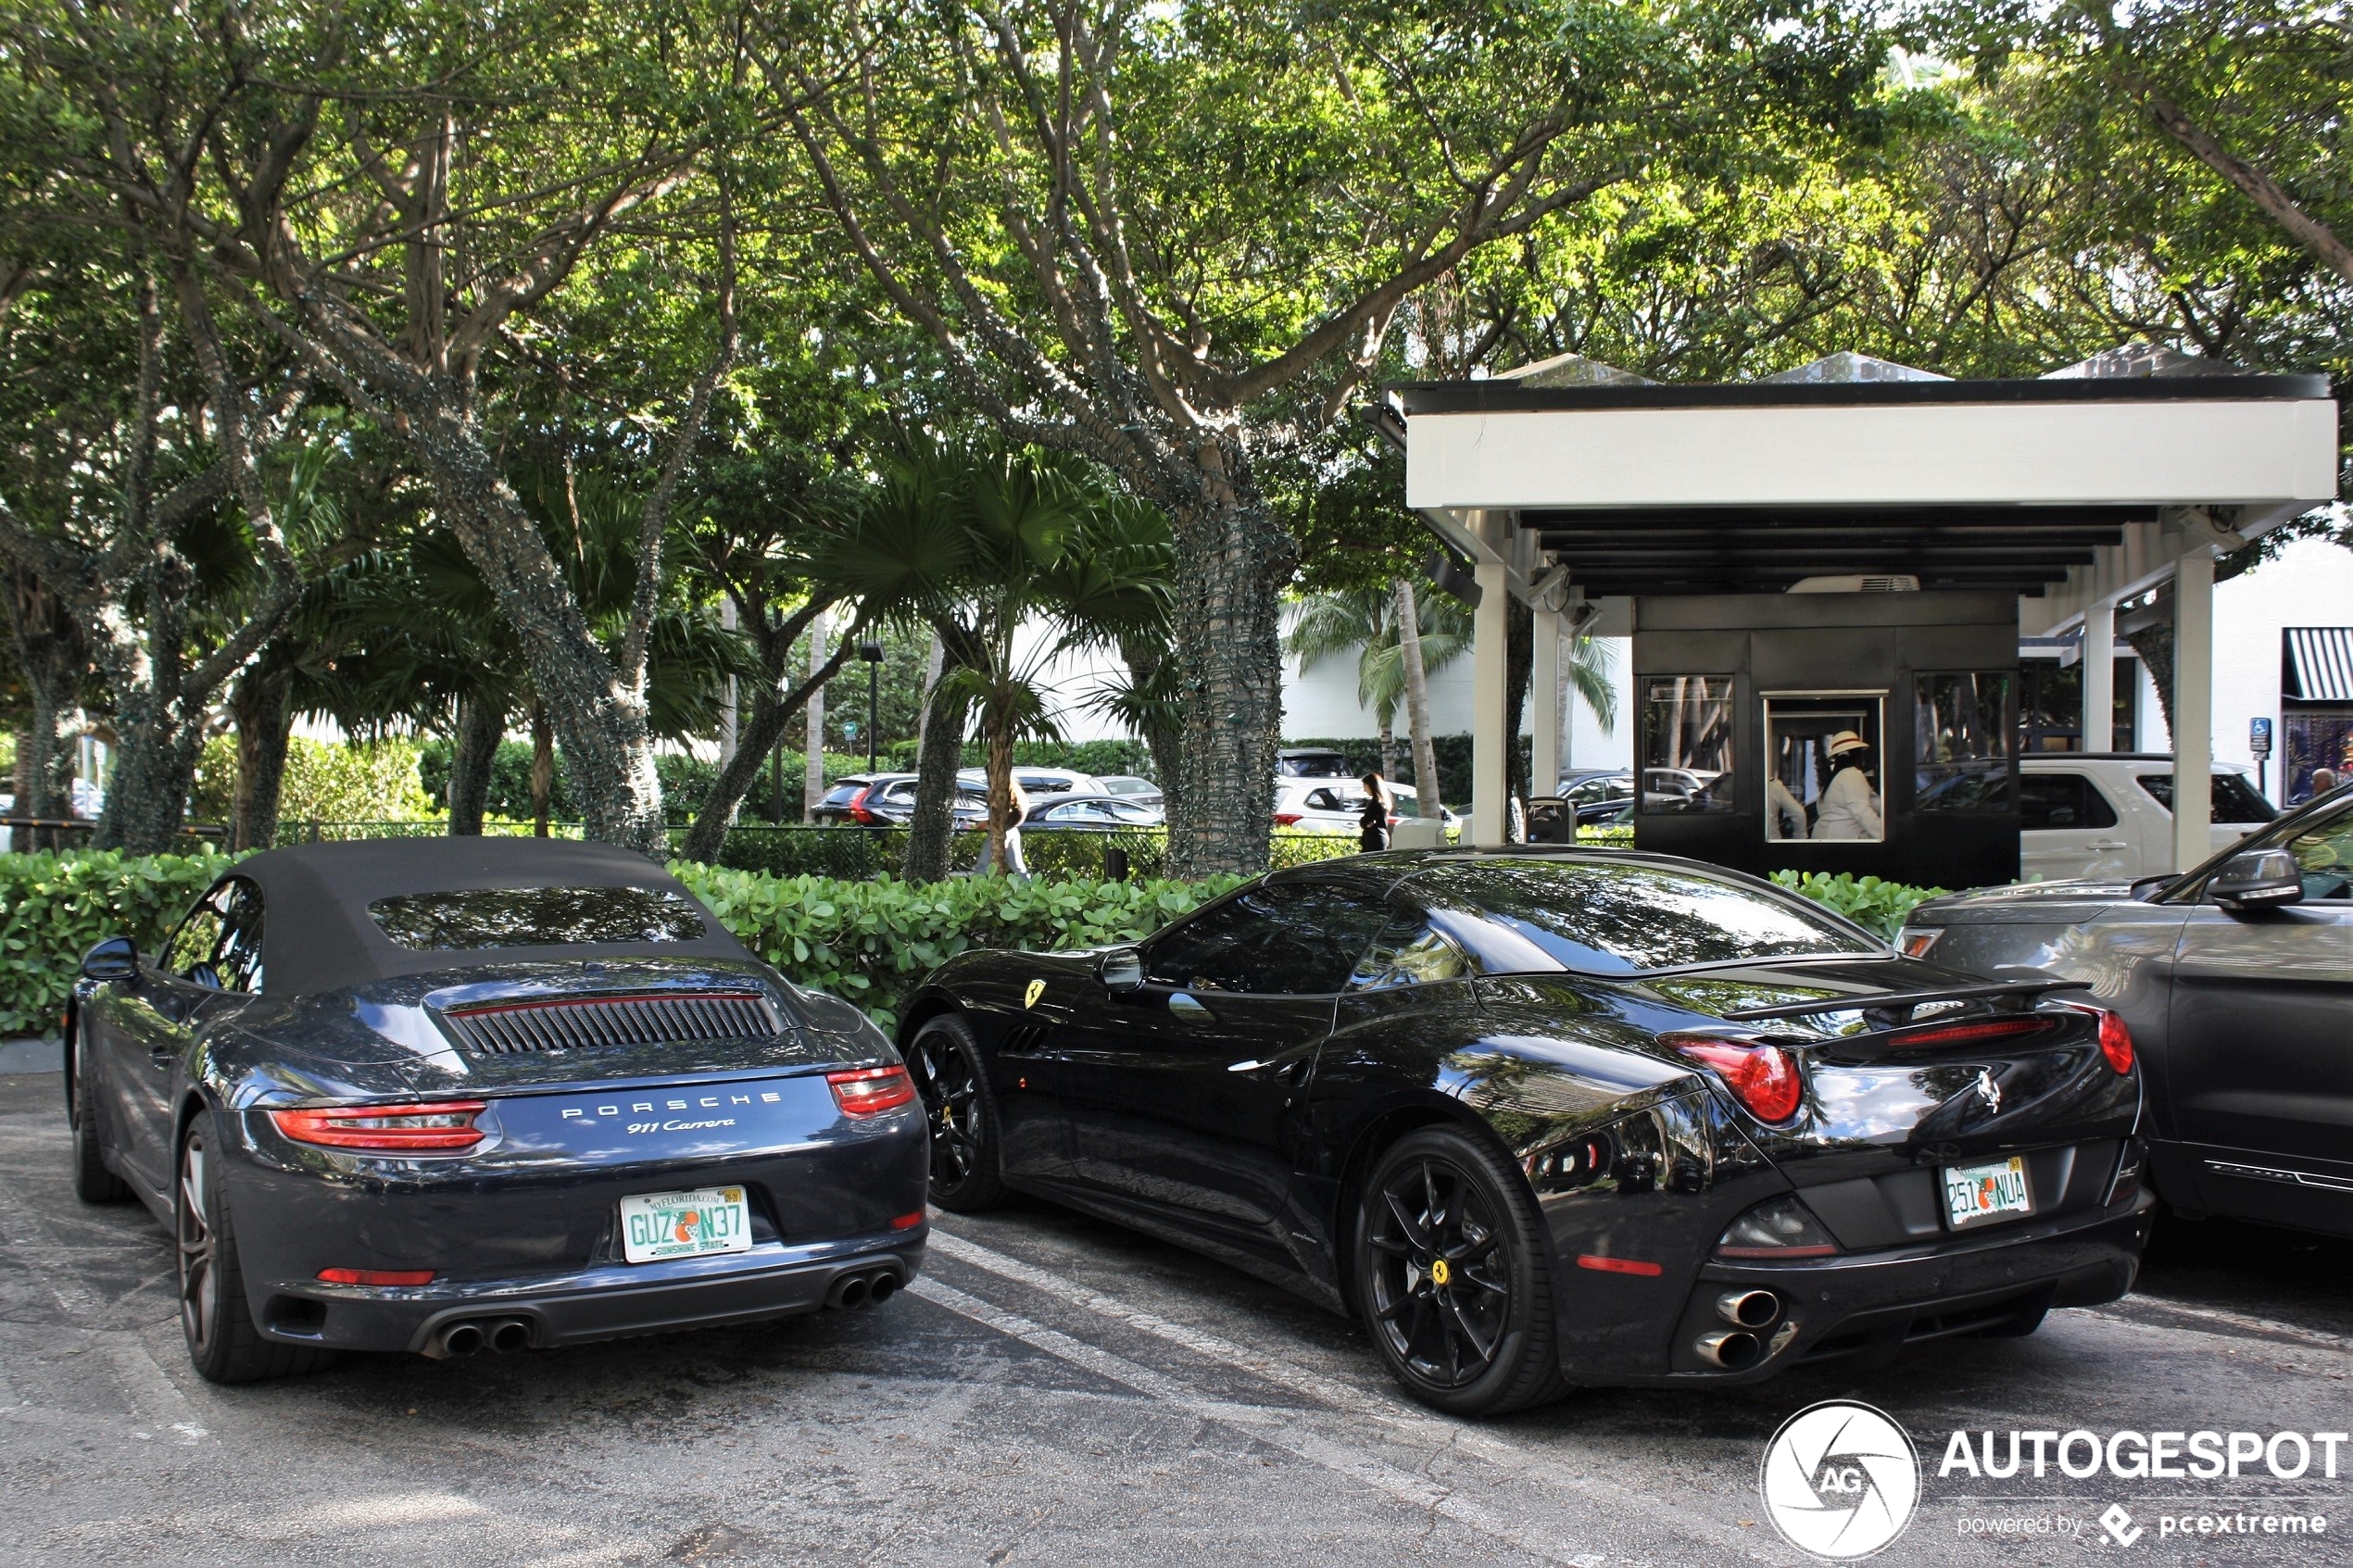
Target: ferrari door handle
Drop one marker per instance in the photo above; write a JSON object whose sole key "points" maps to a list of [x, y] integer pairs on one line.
{"points": [[1252, 1066], [2108, 844]]}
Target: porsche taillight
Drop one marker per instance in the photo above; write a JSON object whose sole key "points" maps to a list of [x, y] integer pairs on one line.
{"points": [[1762, 1078], [391, 1129], [869, 1091]]}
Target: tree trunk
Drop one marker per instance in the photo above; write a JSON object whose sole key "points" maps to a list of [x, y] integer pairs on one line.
{"points": [[812, 761], [931, 832], [1232, 561], [50, 653], [1409, 650], [755, 743], [262, 707], [934, 662], [1519, 671], [1389, 750], [473, 752], [609, 752], [2155, 645], [998, 731], [543, 767], [155, 768]]}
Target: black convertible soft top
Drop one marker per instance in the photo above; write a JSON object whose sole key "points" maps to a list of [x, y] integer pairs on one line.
{"points": [[316, 934]]}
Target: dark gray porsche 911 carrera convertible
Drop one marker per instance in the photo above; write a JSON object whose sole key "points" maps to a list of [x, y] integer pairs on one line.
{"points": [[453, 1095], [1542, 1118]]}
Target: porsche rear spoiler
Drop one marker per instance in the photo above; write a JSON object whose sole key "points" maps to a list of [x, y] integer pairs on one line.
{"points": [[2011, 994]]}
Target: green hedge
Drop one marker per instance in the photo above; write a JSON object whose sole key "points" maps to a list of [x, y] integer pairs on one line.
{"points": [[1874, 905], [866, 937], [57, 907]]}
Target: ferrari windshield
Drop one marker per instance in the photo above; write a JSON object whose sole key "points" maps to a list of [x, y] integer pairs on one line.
{"points": [[1628, 918], [535, 917]]}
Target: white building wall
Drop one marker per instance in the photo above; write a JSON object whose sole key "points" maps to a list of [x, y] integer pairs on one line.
{"points": [[2309, 584]]}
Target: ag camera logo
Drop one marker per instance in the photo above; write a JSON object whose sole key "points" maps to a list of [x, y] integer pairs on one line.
{"points": [[1840, 1480]]}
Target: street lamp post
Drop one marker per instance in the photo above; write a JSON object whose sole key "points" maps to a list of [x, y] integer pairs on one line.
{"points": [[871, 652]]}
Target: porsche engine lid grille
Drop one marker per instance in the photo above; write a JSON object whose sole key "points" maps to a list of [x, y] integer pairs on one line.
{"points": [[570, 1023]]}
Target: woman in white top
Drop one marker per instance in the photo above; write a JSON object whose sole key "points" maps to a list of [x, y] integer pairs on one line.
{"points": [[1850, 806]]}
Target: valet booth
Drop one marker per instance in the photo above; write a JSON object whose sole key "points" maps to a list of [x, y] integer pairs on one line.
{"points": [[1851, 550]]}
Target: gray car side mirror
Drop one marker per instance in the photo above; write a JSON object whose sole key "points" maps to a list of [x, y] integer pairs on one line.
{"points": [[1121, 970], [2260, 879], [117, 958]]}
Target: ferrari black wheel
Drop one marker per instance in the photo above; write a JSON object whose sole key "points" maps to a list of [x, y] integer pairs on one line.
{"points": [[1453, 1279], [944, 1060], [223, 1342], [93, 1182]]}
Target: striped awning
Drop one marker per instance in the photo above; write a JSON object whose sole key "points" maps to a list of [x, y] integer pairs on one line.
{"points": [[2317, 663]]}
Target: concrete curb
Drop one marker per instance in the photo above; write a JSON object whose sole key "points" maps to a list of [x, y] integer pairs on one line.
{"points": [[31, 1056]]}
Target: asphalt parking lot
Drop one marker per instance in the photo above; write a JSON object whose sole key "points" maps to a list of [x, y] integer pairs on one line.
{"points": [[1057, 1390]]}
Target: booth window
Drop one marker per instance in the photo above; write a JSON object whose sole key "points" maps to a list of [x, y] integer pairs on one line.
{"points": [[1962, 738], [1687, 744], [1822, 766]]}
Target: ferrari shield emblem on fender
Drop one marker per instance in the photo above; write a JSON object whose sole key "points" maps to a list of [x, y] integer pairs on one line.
{"points": [[1036, 989]]}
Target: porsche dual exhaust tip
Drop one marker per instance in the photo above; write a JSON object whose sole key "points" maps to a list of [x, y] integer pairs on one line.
{"points": [[1748, 1309], [866, 1287], [1733, 1349], [468, 1337]]}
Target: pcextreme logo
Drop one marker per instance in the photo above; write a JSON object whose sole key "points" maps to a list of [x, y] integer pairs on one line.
{"points": [[1840, 1480]]}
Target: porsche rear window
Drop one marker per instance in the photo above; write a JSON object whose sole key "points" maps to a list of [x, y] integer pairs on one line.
{"points": [[537, 917], [1632, 918]]}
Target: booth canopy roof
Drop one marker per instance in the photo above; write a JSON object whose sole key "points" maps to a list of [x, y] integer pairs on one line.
{"points": [[1853, 466]]}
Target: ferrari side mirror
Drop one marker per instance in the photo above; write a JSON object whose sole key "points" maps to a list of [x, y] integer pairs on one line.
{"points": [[2260, 879], [115, 958], [1122, 970]]}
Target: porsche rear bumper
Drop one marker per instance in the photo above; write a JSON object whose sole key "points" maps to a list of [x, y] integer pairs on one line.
{"points": [[604, 1302]]}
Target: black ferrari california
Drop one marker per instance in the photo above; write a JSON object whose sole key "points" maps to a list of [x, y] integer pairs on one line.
{"points": [[455, 1094], [1553, 1118]]}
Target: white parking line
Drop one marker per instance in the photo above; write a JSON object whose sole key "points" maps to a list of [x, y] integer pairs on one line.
{"points": [[1267, 1425], [149, 1392], [2241, 1321], [1409, 1421]]}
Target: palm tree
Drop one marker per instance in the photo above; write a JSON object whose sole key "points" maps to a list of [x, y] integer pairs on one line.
{"points": [[981, 543], [1390, 668]]}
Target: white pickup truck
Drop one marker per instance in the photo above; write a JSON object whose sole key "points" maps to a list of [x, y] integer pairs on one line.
{"points": [[2109, 815]]}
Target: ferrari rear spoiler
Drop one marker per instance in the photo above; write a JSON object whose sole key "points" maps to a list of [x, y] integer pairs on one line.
{"points": [[2011, 995]]}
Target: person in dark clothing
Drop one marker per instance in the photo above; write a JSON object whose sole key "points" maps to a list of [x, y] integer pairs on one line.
{"points": [[1372, 823]]}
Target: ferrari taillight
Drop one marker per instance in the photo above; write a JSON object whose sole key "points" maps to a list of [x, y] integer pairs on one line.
{"points": [[869, 1091], [1762, 1078], [391, 1129]]}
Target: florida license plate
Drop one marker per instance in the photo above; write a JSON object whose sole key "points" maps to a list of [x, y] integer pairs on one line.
{"points": [[1974, 1194], [684, 1224]]}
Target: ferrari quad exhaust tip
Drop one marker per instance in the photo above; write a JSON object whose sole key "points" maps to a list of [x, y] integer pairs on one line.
{"points": [[1748, 1309], [869, 1288], [1731, 1348]]}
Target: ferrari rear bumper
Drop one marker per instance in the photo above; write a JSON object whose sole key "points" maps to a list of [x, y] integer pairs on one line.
{"points": [[602, 1302], [1868, 1307]]}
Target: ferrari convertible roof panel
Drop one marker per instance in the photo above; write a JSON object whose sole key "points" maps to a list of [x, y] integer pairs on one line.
{"points": [[316, 933]]}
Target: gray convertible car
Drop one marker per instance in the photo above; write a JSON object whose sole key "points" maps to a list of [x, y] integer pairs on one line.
{"points": [[465, 1093], [2236, 981]]}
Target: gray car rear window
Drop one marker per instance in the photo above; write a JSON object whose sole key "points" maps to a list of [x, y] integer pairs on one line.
{"points": [[535, 917]]}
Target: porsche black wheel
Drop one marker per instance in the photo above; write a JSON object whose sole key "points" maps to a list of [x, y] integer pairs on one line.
{"points": [[1453, 1278], [93, 1182], [944, 1060], [223, 1342]]}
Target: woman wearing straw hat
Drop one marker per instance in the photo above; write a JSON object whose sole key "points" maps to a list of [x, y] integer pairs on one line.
{"points": [[1850, 806]]}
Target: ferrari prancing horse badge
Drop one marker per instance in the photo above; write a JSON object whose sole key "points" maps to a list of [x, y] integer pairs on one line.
{"points": [[1036, 989]]}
